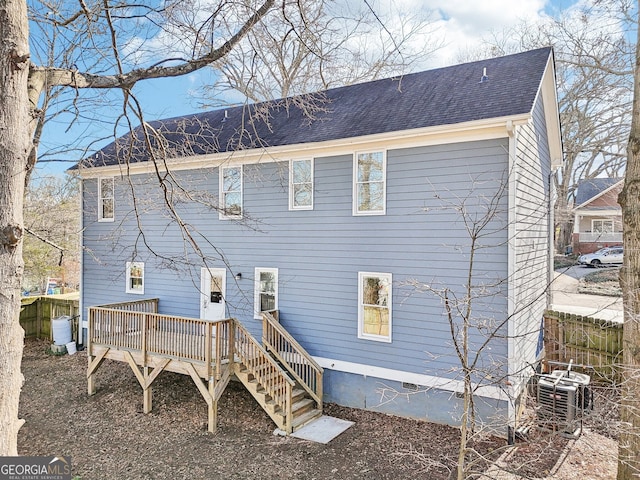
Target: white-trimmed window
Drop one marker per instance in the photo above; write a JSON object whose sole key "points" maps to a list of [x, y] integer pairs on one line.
{"points": [[231, 192], [265, 290], [135, 277], [602, 226], [374, 306], [369, 183], [105, 199], [301, 185]]}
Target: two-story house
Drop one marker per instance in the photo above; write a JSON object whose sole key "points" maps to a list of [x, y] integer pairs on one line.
{"points": [[374, 227]]}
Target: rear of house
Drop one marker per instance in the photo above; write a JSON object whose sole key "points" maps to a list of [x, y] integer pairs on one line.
{"points": [[368, 228]]}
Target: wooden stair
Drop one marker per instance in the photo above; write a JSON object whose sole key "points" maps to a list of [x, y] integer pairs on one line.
{"points": [[303, 407]]}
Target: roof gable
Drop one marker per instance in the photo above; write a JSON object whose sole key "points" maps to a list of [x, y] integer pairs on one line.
{"points": [[590, 189], [444, 96]]}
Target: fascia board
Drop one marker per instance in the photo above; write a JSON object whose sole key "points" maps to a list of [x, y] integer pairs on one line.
{"points": [[442, 134]]}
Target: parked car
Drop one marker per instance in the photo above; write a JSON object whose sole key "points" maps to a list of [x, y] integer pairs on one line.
{"points": [[604, 256]]}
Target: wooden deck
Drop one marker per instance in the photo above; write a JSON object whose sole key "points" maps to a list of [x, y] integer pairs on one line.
{"points": [[282, 377]]}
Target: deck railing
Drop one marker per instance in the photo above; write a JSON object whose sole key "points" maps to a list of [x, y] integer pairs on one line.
{"points": [[125, 327], [149, 305], [266, 371], [291, 354]]}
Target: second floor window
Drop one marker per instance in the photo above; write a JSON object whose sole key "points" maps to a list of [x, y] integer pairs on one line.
{"points": [[301, 185], [105, 199], [369, 186], [231, 192]]}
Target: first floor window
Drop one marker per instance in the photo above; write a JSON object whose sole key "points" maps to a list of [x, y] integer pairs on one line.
{"points": [[602, 226], [105, 199], [301, 185], [369, 189], [135, 277], [266, 290], [374, 306], [231, 192]]}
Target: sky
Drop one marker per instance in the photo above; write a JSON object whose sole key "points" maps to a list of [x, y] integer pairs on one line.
{"points": [[459, 24]]}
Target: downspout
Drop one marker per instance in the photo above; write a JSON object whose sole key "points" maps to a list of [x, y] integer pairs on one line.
{"points": [[511, 270]]}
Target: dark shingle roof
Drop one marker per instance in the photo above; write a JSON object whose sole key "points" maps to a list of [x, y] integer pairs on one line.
{"points": [[587, 189], [443, 96]]}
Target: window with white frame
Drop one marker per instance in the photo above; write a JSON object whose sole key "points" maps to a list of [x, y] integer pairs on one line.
{"points": [[369, 186], [231, 192], [374, 306], [301, 185], [105, 199], [265, 290], [135, 277], [602, 226]]}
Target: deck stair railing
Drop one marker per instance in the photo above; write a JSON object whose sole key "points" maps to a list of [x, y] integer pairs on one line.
{"points": [[295, 359], [264, 378]]}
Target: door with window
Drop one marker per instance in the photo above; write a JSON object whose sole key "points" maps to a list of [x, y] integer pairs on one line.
{"points": [[213, 293]]}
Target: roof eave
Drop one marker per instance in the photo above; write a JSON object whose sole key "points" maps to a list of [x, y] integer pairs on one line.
{"points": [[549, 94], [452, 133]]}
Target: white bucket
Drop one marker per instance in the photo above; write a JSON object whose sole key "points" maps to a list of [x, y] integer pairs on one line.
{"points": [[61, 328], [71, 348]]}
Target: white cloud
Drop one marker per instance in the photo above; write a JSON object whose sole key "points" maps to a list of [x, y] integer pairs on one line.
{"points": [[474, 18], [463, 23]]}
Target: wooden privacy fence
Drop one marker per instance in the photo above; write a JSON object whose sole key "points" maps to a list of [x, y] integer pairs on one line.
{"points": [[36, 314], [585, 340]]}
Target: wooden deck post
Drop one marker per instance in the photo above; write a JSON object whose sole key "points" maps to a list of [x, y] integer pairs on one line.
{"points": [[91, 381], [232, 342], [218, 351], [147, 393], [213, 408], [207, 349]]}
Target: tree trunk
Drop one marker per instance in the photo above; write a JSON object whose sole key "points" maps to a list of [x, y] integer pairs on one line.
{"points": [[629, 445], [14, 149], [563, 230]]}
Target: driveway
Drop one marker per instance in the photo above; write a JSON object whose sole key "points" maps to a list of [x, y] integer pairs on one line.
{"points": [[579, 271], [565, 297]]}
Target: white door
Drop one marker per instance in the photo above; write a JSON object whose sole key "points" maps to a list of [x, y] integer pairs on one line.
{"points": [[213, 293]]}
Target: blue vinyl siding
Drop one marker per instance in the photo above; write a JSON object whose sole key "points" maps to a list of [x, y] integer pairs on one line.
{"points": [[532, 243], [318, 252]]}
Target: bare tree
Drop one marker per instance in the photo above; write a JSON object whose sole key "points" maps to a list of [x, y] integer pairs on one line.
{"points": [[341, 44], [102, 64], [629, 446], [51, 220], [476, 301], [594, 78], [472, 331]]}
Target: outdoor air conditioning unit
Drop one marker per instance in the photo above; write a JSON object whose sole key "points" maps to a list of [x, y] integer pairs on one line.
{"points": [[563, 397]]}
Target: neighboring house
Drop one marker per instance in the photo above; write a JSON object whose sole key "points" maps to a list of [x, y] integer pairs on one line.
{"points": [[349, 224], [597, 215]]}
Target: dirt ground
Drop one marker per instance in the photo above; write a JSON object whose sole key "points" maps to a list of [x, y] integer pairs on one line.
{"points": [[108, 436]]}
